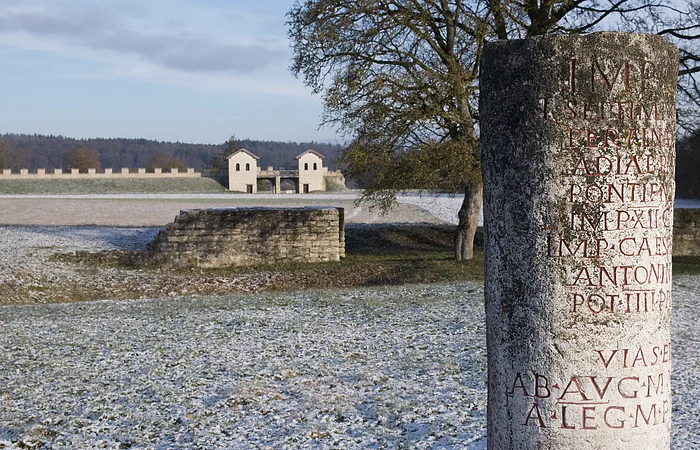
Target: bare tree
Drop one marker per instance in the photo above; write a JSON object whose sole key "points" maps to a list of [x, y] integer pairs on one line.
{"points": [[82, 158], [9, 157], [165, 161], [688, 166]]}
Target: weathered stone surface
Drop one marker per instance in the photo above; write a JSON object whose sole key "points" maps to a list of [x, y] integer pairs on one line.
{"points": [[578, 159], [224, 237]]}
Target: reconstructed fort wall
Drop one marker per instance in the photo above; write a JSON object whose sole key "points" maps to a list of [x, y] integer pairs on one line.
{"points": [[224, 237], [7, 174]]}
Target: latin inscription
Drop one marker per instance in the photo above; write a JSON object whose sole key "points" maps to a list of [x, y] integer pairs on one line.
{"points": [[628, 301], [564, 112], [596, 248], [615, 240], [579, 183], [597, 165], [592, 402], [619, 205]]}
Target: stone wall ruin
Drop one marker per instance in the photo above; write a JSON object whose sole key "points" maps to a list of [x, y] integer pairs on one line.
{"points": [[686, 232], [225, 237]]}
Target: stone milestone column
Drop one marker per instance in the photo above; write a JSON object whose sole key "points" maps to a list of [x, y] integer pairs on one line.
{"points": [[578, 160]]}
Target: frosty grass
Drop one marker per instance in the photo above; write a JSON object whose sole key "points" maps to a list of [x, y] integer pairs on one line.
{"points": [[399, 367], [382, 368]]}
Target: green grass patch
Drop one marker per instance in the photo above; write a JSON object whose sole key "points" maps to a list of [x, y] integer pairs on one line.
{"points": [[377, 270], [375, 255], [401, 239], [96, 186], [385, 254], [379, 254]]}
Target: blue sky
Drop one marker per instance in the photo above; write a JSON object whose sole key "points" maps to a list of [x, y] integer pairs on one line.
{"points": [[173, 70]]}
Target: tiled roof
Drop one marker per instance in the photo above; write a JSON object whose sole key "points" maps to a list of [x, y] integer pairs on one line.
{"points": [[311, 151], [244, 151]]}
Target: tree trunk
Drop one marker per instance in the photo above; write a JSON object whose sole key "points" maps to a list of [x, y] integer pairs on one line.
{"points": [[468, 221]]}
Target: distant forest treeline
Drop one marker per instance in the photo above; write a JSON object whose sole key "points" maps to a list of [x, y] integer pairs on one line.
{"points": [[47, 152]]}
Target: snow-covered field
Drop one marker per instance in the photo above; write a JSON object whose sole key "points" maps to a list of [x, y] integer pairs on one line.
{"points": [[400, 367], [686, 203], [441, 206], [347, 369], [380, 368], [159, 209]]}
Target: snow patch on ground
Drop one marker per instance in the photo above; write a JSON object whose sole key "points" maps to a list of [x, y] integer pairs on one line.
{"points": [[442, 206], [398, 367], [403, 367]]}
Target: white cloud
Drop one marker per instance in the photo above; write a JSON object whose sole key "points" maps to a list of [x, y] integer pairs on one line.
{"points": [[99, 29], [176, 42]]}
